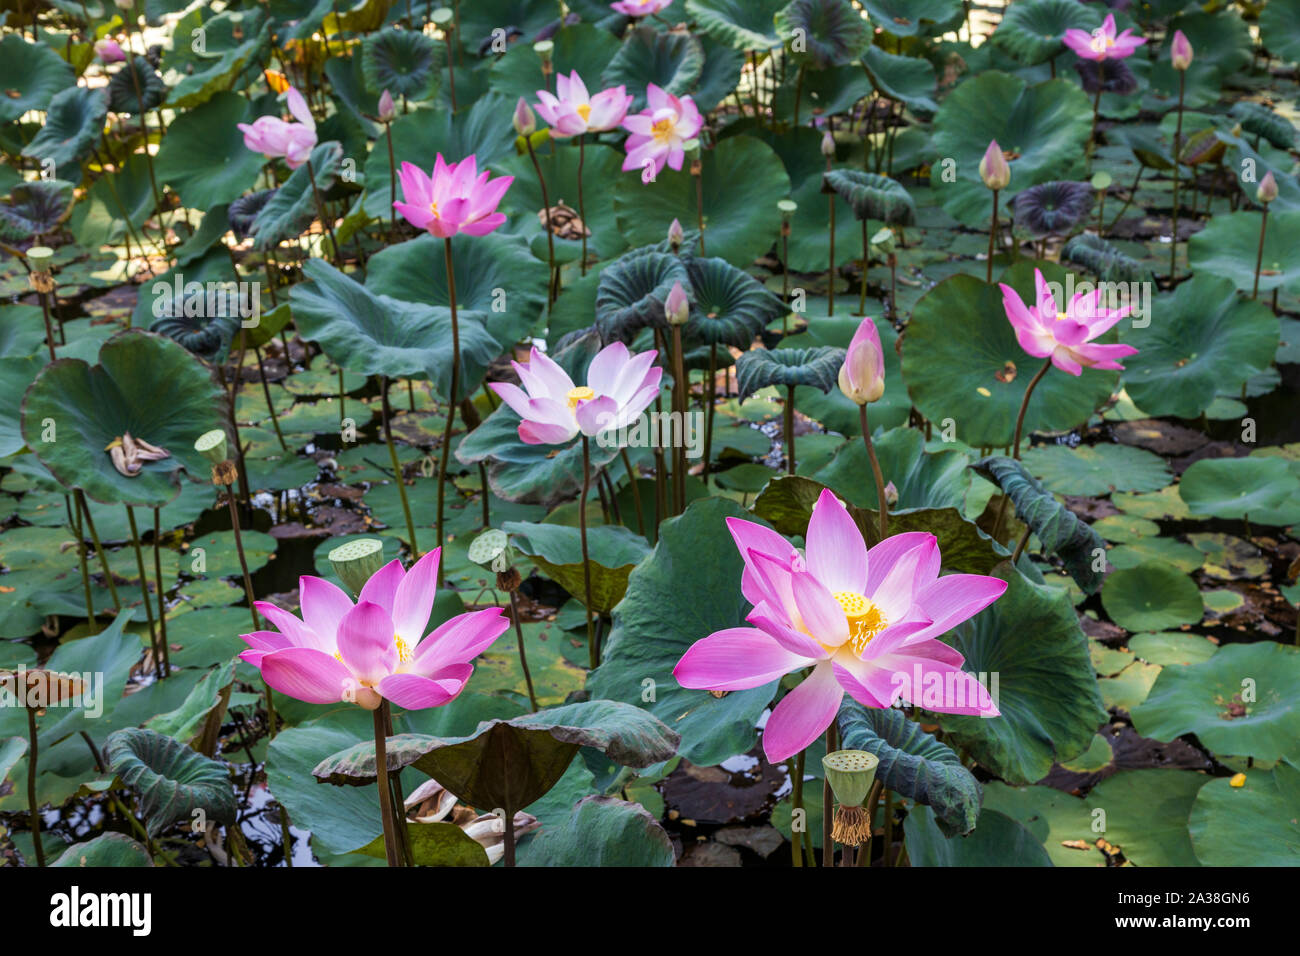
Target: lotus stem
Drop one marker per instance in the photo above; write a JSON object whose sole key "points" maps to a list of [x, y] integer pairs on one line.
{"points": [[636, 491], [1020, 546], [1096, 108], [828, 802], [798, 92], [397, 469], [162, 601], [1132, 194], [862, 292], [266, 391], [392, 179], [487, 505], [325, 219], [232, 394], [49, 328], [697, 173], [711, 392], [451, 65], [508, 840], [830, 291], [144, 128], [523, 653], [592, 651], [889, 830], [661, 468], [1024, 406], [76, 527], [399, 800], [99, 548], [144, 589], [993, 232], [1178, 148], [342, 399], [33, 808], [893, 287], [681, 398], [789, 430], [455, 387], [550, 235], [796, 805], [883, 515], [1259, 256], [582, 206], [385, 795]]}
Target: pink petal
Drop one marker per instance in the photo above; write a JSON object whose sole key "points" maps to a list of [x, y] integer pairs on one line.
{"points": [[822, 615], [738, 658], [412, 692], [837, 555], [413, 600], [323, 604], [366, 642], [307, 674], [802, 715], [459, 640], [381, 589]]}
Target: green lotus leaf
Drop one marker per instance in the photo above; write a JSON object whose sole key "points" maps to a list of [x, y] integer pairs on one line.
{"points": [[1279, 28], [1060, 531], [30, 75], [674, 598], [1229, 244], [498, 281], [873, 196], [907, 79], [1151, 597], [741, 24], [378, 335], [1053, 817], [16, 374], [233, 47], [509, 764], [1047, 690], [633, 290], [1240, 702], [1238, 487], [905, 18], [208, 338], [997, 841], [923, 479], [730, 307], [723, 66], [403, 62], [671, 61], [483, 130], [1044, 127], [292, 207], [829, 32], [1223, 46], [1146, 814], [604, 831], [1096, 469], [742, 181], [583, 47], [35, 208], [436, 844], [1103, 259], [1207, 342], [1032, 31], [557, 549], [91, 405], [107, 849], [479, 19], [1254, 824], [1146, 143], [1260, 121], [816, 367], [203, 157], [914, 764], [72, 126], [1170, 647], [100, 217], [171, 781], [135, 88], [962, 362]]}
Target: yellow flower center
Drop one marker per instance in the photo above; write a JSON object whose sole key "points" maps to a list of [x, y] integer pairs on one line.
{"points": [[433, 208], [663, 129], [1062, 315], [865, 619], [580, 394], [584, 111], [404, 652]]}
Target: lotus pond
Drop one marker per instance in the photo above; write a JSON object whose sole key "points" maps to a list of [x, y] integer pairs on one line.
{"points": [[693, 433]]}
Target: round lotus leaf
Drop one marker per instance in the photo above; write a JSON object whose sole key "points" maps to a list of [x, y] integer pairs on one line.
{"points": [[170, 780], [1254, 824], [30, 75], [1096, 469], [1238, 487], [1151, 597]]}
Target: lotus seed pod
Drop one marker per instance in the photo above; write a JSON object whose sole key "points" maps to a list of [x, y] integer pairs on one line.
{"points": [[356, 561], [692, 148], [443, 18], [490, 545], [850, 774], [212, 446]]}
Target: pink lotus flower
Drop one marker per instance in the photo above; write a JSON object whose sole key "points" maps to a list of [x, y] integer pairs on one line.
{"points": [[554, 410], [862, 376], [1044, 330], [573, 112], [454, 199], [372, 651], [109, 51], [1180, 51], [866, 622], [640, 8], [659, 132], [994, 169], [275, 138], [1102, 44]]}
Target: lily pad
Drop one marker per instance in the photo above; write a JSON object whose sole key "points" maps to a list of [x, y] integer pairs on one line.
{"points": [[1238, 487], [1097, 469], [1151, 597], [603, 831], [1254, 824], [171, 781], [107, 849], [1229, 244]]}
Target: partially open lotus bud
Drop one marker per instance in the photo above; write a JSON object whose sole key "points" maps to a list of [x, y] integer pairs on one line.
{"points": [[387, 108], [525, 120], [676, 235], [1267, 190], [994, 169], [828, 145], [850, 774], [1180, 51], [677, 307], [356, 561]]}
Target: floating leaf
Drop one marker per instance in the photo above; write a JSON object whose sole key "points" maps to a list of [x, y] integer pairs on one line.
{"points": [[603, 831], [1096, 469], [1254, 824], [107, 849], [403, 62], [170, 780], [1237, 487], [1151, 597]]}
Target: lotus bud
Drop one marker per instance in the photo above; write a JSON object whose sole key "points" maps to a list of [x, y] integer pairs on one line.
{"points": [[862, 376], [387, 108], [356, 561], [1180, 51], [677, 307], [212, 446], [994, 169], [850, 774], [1267, 190], [676, 235], [109, 51], [891, 494], [828, 145], [525, 119]]}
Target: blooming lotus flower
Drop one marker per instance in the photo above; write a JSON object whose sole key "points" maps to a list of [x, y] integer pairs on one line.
{"points": [[554, 410], [1180, 51], [109, 51], [1102, 43], [1066, 336], [866, 621], [573, 112], [640, 8], [375, 649], [455, 198], [659, 132], [994, 169], [275, 138], [862, 376]]}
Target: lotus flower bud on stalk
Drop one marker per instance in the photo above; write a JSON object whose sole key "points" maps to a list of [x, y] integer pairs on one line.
{"points": [[676, 235], [828, 145], [994, 169], [1180, 51], [677, 307], [387, 108], [109, 51], [850, 774], [525, 120], [891, 494], [1267, 190], [862, 376], [355, 561]]}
